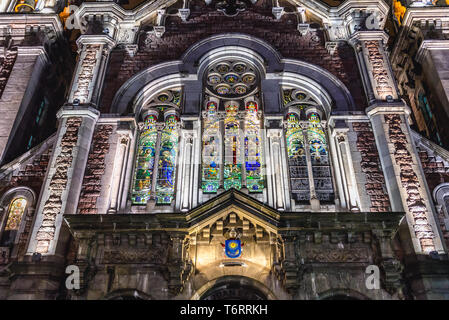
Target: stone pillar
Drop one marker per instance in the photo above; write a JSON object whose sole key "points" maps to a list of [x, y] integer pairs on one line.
{"points": [[185, 186], [374, 65], [348, 173], [93, 54], [275, 170], [64, 178], [124, 137]]}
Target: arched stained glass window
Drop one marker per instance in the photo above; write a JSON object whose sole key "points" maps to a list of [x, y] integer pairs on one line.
{"points": [[232, 140], [155, 171], [232, 162], [297, 158], [211, 149], [15, 213], [165, 187], [253, 163], [308, 155], [145, 161], [320, 158], [14, 218]]}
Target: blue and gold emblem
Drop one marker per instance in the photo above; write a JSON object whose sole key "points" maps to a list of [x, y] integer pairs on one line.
{"points": [[233, 248]]}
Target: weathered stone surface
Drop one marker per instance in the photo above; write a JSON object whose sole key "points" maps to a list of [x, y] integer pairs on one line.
{"points": [[370, 164], [94, 170], [53, 204], [409, 181]]}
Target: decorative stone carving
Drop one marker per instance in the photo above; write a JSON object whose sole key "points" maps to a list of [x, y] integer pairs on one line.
{"points": [[88, 64], [370, 164], [58, 183], [379, 70], [336, 255], [410, 182]]}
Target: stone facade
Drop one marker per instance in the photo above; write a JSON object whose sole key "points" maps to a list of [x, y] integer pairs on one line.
{"points": [[375, 181], [147, 199]]}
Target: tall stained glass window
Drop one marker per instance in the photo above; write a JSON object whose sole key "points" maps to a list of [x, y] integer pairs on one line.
{"points": [[308, 155], [211, 149], [320, 158], [155, 171], [232, 143], [232, 162], [253, 166], [297, 158], [15, 215], [145, 161], [165, 187]]}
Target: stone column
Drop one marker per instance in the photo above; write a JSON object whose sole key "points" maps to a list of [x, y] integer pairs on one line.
{"points": [[277, 192], [119, 171], [64, 178], [405, 181], [93, 54], [186, 171]]}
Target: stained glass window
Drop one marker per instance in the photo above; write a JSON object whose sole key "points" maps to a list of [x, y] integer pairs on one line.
{"points": [[232, 174], [253, 166], [145, 161], [319, 158], [165, 187], [211, 149], [15, 213], [297, 159]]}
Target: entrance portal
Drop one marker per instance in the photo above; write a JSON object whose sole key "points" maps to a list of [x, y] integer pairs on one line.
{"points": [[234, 290]]}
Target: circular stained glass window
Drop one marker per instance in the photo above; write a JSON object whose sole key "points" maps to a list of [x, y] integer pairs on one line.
{"points": [[223, 89], [223, 68], [231, 79], [239, 67], [214, 79], [248, 79], [240, 89]]}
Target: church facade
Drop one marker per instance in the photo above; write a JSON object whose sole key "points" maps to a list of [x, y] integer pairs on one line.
{"points": [[214, 150]]}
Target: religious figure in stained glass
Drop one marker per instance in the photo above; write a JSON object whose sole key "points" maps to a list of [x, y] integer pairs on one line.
{"points": [[320, 158], [297, 158], [232, 164], [165, 187], [211, 149], [15, 216], [253, 167], [145, 161], [15, 213], [317, 139]]}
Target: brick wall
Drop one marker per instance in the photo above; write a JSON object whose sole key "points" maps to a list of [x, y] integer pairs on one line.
{"points": [[6, 64], [258, 21], [95, 169], [370, 164]]}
